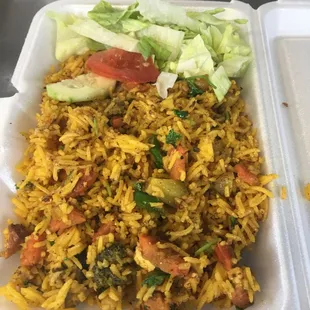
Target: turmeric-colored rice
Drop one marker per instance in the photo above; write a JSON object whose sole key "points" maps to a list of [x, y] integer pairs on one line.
{"points": [[77, 140]]}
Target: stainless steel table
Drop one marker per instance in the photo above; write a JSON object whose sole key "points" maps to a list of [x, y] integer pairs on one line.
{"points": [[15, 18]]}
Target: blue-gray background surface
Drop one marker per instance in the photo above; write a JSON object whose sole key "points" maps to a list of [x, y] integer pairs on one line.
{"points": [[15, 18]]}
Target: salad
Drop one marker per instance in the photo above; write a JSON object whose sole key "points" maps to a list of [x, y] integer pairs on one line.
{"points": [[150, 41]]}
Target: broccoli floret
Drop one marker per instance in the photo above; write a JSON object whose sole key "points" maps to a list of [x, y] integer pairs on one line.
{"points": [[104, 278], [113, 254]]}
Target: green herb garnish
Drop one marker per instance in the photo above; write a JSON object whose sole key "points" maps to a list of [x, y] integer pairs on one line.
{"points": [[194, 89], [173, 137], [207, 247], [52, 243], [233, 222], [16, 187], [96, 127], [181, 114], [156, 153], [144, 200], [155, 278], [26, 283]]}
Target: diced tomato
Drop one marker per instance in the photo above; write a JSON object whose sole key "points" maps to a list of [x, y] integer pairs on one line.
{"points": [[116, 122], [240, 298], [76, 217], [224, 254], [121, 65], [103, 230], [180, 163], [156, 302], [31, 255], [166, 259], [245, 175]]}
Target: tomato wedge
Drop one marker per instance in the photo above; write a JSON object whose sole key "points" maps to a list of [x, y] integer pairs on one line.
{"points": [[123, 66]]}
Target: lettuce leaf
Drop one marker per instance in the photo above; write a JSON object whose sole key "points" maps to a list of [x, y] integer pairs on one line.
{"points": [[232, 43], [133, 25], [220, 82], [195, 59], [165, 81], [109, 17], [89, 28], [168, 38], [148, 46], [163, 12], [235, 65]]}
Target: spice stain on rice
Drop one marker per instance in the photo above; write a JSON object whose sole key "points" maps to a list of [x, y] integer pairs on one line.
{"points": [[96, 232]]}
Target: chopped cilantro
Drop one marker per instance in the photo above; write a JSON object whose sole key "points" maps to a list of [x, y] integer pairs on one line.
{"points": [[155, 278], [156, 153], [194, 89], [181, 114], [16, 187], [52, 243], [173, 137]]}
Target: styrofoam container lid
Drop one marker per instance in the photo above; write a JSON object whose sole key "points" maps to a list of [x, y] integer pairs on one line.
{"points": [[279, 33]]}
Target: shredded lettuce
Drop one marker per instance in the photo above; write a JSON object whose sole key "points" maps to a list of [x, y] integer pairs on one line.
{"points": [[163, 12], [168, 38], [221, 83], [195, 59], [164, 81], [89, 28]]}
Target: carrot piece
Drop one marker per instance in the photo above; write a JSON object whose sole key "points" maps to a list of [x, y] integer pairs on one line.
{"points": [[76, 217], [31, 255], [180, 163], [103, 230], [224, 254], [245, 175]]}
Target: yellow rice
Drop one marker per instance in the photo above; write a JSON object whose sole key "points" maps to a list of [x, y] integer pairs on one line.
{"points": [[121, 159]]}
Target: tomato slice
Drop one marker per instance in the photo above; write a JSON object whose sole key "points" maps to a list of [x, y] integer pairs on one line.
{"points": [[123, 66]]}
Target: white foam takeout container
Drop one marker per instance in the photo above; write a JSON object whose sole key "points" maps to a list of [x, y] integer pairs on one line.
{"points": [[279, 34]]}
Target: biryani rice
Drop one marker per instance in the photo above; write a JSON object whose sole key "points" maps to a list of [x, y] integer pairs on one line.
{"points": [[88, 145]]}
